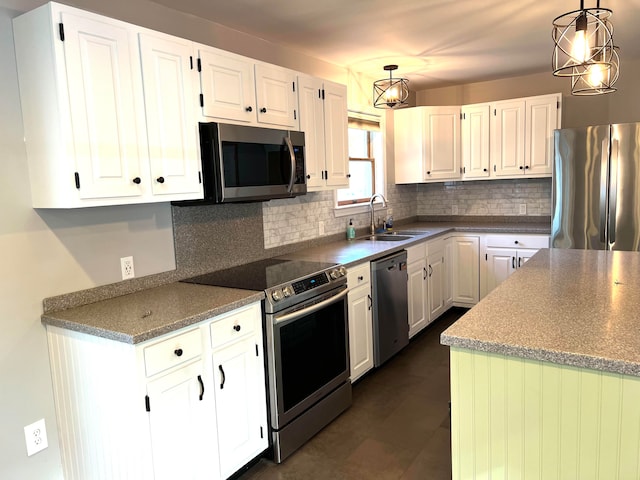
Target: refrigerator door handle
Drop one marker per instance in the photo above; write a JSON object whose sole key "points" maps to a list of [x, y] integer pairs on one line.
{"points": [[613, 192], [604, 190]]}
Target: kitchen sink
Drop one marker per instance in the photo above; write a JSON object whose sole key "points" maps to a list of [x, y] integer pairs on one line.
{"points": [[387, 237]]}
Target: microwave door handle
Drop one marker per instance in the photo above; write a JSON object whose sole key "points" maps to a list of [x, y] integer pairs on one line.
{"points": [[293, 163]]}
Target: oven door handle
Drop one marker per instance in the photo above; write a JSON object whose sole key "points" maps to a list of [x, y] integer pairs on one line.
{"points": [[293, 163], [313, 308]]}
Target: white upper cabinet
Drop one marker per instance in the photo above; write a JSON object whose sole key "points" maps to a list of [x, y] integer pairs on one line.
{"points": [[475, 141], [228, 86], [427, 144], [508, 127], [323, 118], [542, 118], [84, 113], [170, 97], [276, 96], [522, 138], [237, 89]]}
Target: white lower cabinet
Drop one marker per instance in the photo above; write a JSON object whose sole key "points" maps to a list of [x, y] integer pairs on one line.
{"points": [[360, 320], [239, 386], [436, 278], [504, 254], [158, 409], [465, 270], [177, 413], [417, 288]]}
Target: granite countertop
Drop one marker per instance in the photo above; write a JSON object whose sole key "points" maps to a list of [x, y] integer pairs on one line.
{"points": [[355, 251], [147, 314], [175, 305], [572, 307]]}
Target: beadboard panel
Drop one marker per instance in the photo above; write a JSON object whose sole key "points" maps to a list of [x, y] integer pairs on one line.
{"points": [[514, 418], [121, 451]]}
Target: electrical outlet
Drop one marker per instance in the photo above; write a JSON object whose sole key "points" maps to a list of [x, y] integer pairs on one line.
{"points": [[321, 228], [523, 209], [454, 209], [36, 437], [126, 265]]}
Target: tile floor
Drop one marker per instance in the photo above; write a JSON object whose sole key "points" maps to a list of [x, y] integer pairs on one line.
{"points": [[397, 428]]}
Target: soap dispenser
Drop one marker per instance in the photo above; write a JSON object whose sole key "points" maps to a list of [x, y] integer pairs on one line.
{"points": [[351, 231]]}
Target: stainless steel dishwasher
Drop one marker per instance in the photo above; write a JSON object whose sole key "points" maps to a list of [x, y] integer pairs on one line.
{"points": [[390, 310]]}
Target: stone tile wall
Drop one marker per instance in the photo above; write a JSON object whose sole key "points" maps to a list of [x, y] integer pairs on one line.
{"points": [[296, 219], [486, 197]]}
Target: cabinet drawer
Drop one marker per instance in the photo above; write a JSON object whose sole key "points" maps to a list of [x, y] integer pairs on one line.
{"points": [[518, 241], [238, 324], [416, 252], [436, 245], [172, 351], [358, 275]]}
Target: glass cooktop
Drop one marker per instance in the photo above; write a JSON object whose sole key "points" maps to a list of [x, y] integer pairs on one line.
{"points": [[262, 274]]}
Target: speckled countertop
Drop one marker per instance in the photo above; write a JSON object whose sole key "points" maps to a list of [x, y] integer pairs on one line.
{"points": [[572, 307], [176, 305], [143, 315], [356, 251]]}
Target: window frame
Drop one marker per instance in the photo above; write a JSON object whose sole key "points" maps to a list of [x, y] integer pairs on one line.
{"points": [[345, 208]]}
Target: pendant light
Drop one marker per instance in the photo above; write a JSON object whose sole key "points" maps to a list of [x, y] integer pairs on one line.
{"points": [[390, 92], [584, 50]]}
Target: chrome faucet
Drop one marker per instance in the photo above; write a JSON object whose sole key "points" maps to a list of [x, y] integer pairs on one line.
{"points": [[384, 204]]}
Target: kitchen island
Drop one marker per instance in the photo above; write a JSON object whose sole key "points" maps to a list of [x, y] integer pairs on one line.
{"points": [[545, 372]]}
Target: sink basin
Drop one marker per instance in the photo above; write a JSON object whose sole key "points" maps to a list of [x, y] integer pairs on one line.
{"points": [[387, 237]]}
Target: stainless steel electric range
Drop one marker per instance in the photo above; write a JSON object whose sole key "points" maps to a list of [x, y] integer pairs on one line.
{"points": [[306, 342]]}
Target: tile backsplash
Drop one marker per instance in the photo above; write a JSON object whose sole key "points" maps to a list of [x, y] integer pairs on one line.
{"points": [[486, 197], [297, 219]]}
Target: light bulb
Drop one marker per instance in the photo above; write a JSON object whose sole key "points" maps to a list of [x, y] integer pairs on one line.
{"points": [[580, 49], [595, 75], [391, 94]]}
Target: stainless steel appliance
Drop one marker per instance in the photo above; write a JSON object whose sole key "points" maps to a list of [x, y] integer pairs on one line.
{"points": [[307, 343], [390, 307], [242, 163], [596, 183]]}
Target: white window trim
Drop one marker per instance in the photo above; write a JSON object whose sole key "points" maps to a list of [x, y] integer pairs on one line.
{"points": [[381, 183]]}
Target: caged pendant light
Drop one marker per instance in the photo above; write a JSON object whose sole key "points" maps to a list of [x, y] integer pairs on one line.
{"points": [[390, 92], [584, 50]]}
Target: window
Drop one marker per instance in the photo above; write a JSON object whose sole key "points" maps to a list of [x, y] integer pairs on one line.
{"points": [[365, 160]]}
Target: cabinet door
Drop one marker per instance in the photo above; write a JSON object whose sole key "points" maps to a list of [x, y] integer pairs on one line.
{"points": [[182, 430], [508, 127], [312, 124], [523, 256], [466, 269], [448, 272], [417, 296], [102, 66], [240, 403], [442, 143], [435, 284], [170, 98], [408, 145], [336, 134], [541, 121], [228, 86], [501, 262], [475, 141], [276, 97], [360, 331]]}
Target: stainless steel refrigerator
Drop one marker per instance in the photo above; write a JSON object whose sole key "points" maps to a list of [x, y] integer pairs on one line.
{"points": [[597, 188]]}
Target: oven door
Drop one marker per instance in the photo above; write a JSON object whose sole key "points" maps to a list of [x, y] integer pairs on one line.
{"points": [[308, 354]]}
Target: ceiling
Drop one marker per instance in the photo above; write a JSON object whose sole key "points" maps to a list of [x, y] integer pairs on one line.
{"points": [[435, 42]]}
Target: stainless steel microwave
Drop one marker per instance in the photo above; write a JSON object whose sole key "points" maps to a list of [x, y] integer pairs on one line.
{"points": [[245, 164]]}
